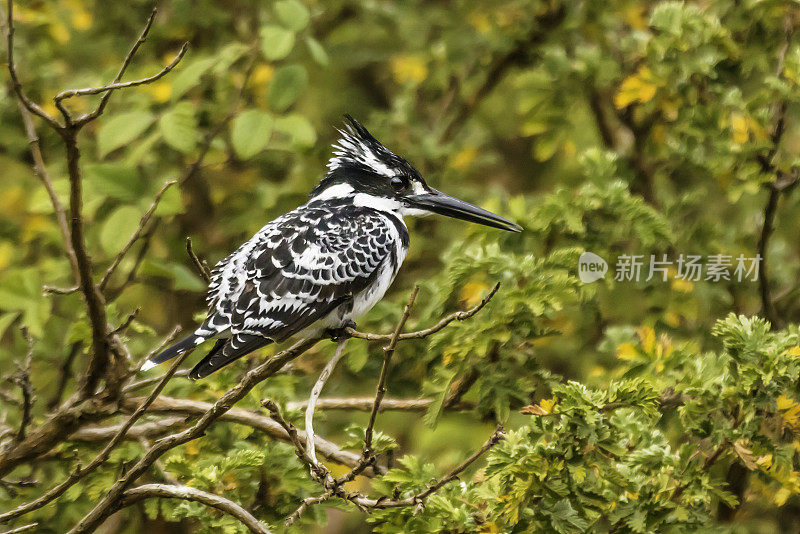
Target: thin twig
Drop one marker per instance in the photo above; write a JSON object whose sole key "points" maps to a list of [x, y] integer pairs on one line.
{"points": [[106, 504], [40, 170], [136, 234], [201, 265], [108, 89], [79, 472], [188, 493], [305, 504], [388, 351], [22, 378], [365, 404], [420, 334], [23, 528], [318, 471], [29, 104]]}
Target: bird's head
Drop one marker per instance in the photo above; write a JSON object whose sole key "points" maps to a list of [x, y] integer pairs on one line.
{"points": [[369, 174]]}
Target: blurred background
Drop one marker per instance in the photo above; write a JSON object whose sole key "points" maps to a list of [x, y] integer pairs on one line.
{"points": [[618, 127]]}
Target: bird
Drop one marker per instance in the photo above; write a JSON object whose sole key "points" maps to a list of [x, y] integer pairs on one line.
{"points": [[321, 266]]}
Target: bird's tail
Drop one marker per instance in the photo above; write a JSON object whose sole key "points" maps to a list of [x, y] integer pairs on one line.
{"points": [[187, 343]]}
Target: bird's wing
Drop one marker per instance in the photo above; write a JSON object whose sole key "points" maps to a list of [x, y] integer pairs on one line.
{"points": [[299, 268]]}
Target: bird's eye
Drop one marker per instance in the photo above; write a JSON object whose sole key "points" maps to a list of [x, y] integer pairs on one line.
{"points": [[399, 183]]}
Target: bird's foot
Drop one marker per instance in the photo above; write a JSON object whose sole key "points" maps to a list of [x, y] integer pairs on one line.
{"points": [[340, 334]]}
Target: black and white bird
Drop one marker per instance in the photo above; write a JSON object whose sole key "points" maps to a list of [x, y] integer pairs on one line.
{"points": [[325, 263]]}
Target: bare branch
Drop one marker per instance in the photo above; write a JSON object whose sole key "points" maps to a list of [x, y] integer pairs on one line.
{"points": [[105, 506], [188, 493], [140, 431], [29, 104], [367, 454], [318, 471], [22, 378], [305, 504], [270, 427], [365, 503], [388, 351], [40, 170], [79, 472], [365, 404], [420, 334], [201, 265], [312, 399], [23, 528], [108, 89], [136, 234]]}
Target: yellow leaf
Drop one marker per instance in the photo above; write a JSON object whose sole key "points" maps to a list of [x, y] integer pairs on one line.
{"points": [[262, 75], [6, 254], [472, 293], [161, 91], [794, 351], [739, 130], [626, 351], [648, 337], [672, 319], [638, 87], [463, 158], [548, 404], [480, 22], [82, 20], [407, 68], [790, 412], [765, 461], [682, 285], [59, 32]]}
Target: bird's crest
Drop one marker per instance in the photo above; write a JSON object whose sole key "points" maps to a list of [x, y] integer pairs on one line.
{"points": [[357, 146]]}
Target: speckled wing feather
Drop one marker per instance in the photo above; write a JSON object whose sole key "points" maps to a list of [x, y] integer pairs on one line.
{"points": [[293, 272]]}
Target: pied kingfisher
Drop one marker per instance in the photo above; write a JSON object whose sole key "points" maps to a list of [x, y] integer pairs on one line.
{"points": [[325, 263]]}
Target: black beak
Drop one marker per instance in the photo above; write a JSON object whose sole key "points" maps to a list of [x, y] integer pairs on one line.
{"points": [[443, 204]]}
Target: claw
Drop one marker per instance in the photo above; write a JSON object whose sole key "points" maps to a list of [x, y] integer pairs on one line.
{"points": [[340, 334]]}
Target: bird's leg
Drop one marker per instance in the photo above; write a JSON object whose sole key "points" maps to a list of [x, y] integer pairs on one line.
{"points": [[340, 334]]}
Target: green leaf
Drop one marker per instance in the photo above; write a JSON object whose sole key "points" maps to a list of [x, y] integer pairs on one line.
{"points": [[171, 203], [189, 76], [287, 85], [179, 127], [121, 129], [250, 132], [5, 321], [300, 131], [115, 181], [317, 51], [182, 277], [357, 355], [21, 290], [118, 228], [276, 42], [293, 14]]}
